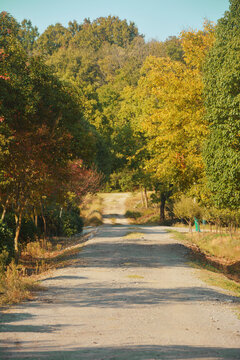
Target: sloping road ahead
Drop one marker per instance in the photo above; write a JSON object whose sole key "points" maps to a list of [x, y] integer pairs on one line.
{"points": [[127, 297]]}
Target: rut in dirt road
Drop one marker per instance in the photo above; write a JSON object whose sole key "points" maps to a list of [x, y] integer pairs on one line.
{"points": [[130, 295]]}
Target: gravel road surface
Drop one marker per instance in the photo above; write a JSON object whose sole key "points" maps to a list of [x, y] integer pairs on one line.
{"points": [[128, 297]]}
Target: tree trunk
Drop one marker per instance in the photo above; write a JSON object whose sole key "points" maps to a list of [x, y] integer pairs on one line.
{"points": [[3, 213], [143, 204], [44, 222], [35, 217], [18, 228], [4, 209], [162, 208], [36, 220], [190, 226], [146, 197], [44, 227]]}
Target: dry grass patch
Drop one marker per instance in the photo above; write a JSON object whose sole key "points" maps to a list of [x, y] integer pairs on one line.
{"points": [[217, 279], [135, 277], [19, 282], [222, 246], [137, 213], [15, 287], [134, 235], [216, 271], [91, 210]]}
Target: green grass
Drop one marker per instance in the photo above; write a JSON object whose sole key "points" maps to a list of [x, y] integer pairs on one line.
{"points": [[215, 278]]}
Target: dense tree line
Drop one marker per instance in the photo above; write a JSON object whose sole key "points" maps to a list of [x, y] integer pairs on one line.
{"points": [[95, 97], [43, 135]]}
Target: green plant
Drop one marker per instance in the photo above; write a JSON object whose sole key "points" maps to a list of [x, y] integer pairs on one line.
{"points": [[186, 208], [4, 256], [6, 243], [72, 223], [133, 214]]}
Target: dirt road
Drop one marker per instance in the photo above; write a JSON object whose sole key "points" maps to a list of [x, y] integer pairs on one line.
{"points": [[130, 296]]}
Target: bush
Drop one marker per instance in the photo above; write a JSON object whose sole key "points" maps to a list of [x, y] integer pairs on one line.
{"points": [[72, 223], [6, 244], [121, 181], [28, 231], [186, 208], [133, 214], [4, 259], [62, 222]]}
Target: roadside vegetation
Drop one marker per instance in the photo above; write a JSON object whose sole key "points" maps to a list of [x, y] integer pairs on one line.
{"points": [[138, 211], [216, 255], [21, 281], [91, 210]]}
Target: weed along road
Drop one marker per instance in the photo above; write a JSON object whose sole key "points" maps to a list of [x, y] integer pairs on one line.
{"points": [[131, 294]]}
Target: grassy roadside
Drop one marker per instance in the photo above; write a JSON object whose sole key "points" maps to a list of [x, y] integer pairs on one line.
{"points": [[22, 281], [91, 210], [137, 213], [208, 254]]}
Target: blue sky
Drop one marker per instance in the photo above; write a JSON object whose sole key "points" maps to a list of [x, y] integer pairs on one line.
{"points": [[156, 19]]}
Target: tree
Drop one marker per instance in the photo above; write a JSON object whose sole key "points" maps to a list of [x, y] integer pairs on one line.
{"points": [[222, 83], [41, 125], [54, 37], [174, 48], [170, 115], [28, 35], [82, 180], [186, 208]]}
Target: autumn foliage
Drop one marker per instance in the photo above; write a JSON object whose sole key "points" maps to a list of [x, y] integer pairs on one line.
{"points": [[96, 98]]}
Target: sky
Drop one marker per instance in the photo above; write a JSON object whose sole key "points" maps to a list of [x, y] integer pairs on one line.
{"points": [[155, 19]]}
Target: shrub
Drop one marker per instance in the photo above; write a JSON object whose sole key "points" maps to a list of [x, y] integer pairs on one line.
{"points": [[6, 243], [186, 208], [72, 223], [63, 222], [14, 287], [4, 256], [28, 231], [133, 214]]}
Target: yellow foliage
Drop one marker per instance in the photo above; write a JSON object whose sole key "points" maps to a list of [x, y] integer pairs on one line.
{"points": [[172, 111], [196, 44]]}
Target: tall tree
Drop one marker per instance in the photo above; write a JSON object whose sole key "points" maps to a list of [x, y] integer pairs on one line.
{"points": [[41, 124], [28, 35], [171, 116], [54, 37], [222, 100]]}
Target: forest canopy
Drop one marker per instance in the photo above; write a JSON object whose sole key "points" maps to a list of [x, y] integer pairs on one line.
{"points": [[93, 104]]}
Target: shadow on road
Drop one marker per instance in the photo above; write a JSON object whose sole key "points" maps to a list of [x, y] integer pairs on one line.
{"points": [[7, 318], [126, 254], [93, 295], [144, 352], [112, 255]]}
